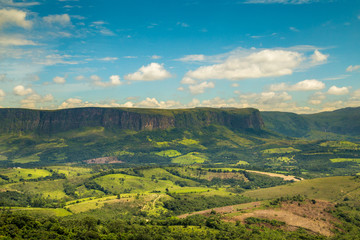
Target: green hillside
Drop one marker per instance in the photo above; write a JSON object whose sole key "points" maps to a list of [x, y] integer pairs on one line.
{"points": [[337, 125]]}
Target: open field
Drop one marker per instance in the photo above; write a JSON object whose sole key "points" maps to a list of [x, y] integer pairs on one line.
{"points": [[330, 189]]}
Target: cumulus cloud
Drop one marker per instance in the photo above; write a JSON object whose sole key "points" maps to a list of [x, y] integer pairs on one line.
{"points": [[15, 41], [200, 88], [192, 58], [306, 85], [352, 68], [34, 99], [59, 80], [58, 19], [2, 94], [318, 57], [317, 98], [334, 90], [20, 90], [266, 63], [267, 98], [72, 103], [114, 81], [188, 81], [154, 103], [13, 17], [151, 72]]}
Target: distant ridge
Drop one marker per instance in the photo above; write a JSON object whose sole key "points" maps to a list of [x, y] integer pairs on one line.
{"points": [[344, 121], [55, 121]]}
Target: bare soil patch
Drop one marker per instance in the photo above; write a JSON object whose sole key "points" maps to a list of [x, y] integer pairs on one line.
{"points": [[285, 177], [311, 216], [224, 210], [103, 160]]}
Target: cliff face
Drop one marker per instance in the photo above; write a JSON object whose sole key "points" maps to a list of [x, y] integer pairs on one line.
{"points": [[39, 121]]}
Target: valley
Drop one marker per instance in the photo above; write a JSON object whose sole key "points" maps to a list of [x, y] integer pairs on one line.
{"points": [[198, 173]]}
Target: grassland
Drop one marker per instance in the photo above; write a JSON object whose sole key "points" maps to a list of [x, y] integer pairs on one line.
{"points": [[168, 153], [330, 189], [190, 158], [15, 174], [336, 160], [281, 150]]}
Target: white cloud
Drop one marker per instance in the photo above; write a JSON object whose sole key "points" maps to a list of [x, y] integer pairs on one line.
{"points": [[266, 63], [108, 59], [59, 80], [156, 57], [318, 57], [352, 68], [130, 57], [235, 85], [200, 88], [54, 59], [317, 98], [294, 29], [187, 80], [154, 103], [72, 103], [15, 41], [151, 72], [182, 24], [114, 81], [11, 17], [267, 98], [192, 58], [334, 90], [79, 78], [2, 94], [33, 100], [356, 94], [180, 88], [306, 85], [11, 3], [60, 19], [279, 1], [20, 90]]}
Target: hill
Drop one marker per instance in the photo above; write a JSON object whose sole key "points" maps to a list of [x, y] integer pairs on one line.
{"points": [[338, 124]]}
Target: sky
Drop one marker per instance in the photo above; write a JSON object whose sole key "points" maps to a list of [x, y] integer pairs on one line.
{"points": [[298, 56]]}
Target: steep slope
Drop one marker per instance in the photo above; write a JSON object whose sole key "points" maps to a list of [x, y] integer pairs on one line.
{"points": [[49, 122]]}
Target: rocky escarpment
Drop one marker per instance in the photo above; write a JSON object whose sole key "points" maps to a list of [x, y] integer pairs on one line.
{"points": [[54, 121]]}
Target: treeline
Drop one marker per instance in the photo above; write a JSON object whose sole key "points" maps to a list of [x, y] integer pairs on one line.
{"points": [[20, 226]]}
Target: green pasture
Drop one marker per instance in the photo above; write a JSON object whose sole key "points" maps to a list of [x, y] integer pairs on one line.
{"points": [[58, 212], [280, 150], [168, 153], [47, 189], [190, 158], [121, 183], [329, 188], [336, 160], [15, 174], [340, 145], [28, 159], [242, 163]]}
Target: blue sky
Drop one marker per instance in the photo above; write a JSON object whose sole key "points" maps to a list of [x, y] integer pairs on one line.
{"points": [[286, 55]]}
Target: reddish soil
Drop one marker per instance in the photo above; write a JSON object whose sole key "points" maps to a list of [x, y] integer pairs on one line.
{"points": [[103, 160]]}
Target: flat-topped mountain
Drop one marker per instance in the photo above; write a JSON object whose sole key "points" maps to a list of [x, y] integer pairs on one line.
{"points": [[55, 121]]}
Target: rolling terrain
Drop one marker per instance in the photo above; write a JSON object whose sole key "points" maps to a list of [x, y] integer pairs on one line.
{"points": [[95, 173]]}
